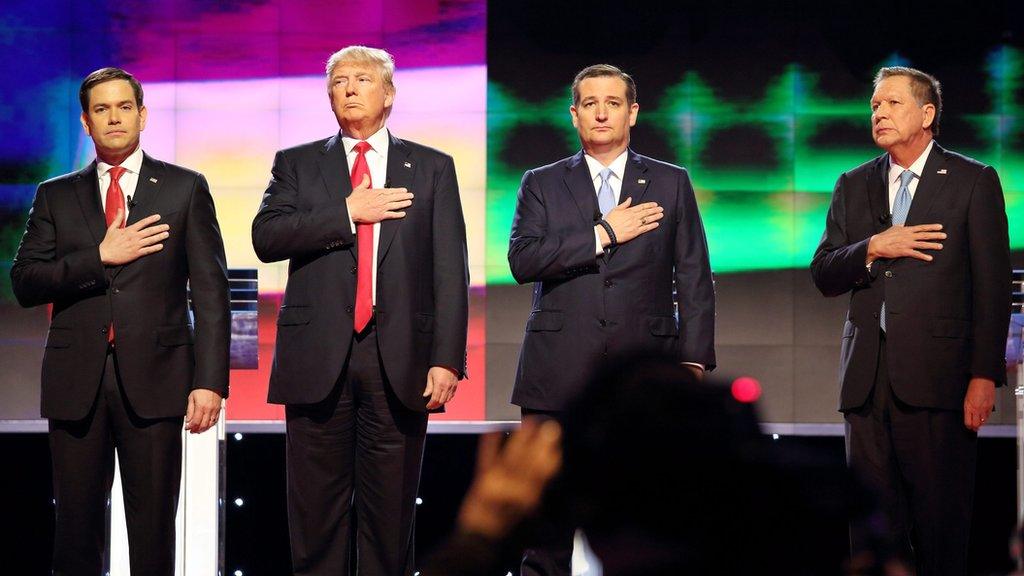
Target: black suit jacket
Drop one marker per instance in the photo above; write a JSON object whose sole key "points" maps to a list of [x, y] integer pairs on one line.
{"points": [[161, 358], [586, 306], [946, 319], [422, 305]]}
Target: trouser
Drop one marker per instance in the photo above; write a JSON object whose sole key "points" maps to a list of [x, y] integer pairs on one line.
{"points": [[921, 462], [149, 453], [360, 451], [550, 552]]}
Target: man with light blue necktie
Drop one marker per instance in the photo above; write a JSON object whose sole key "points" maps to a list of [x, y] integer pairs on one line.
{"points": [[614, 246], [918, 236]]}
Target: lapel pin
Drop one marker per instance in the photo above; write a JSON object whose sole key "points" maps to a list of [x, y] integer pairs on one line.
{"points": [[408, 164], [641, 181], [153, 180], [943, 171]]}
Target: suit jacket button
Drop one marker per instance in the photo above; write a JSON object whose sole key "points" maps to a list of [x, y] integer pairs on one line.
{"points": [[353, 269], [117, 290], [607, 283], [348, 309], [875, 315], [888, 273], [103, 330], [603, 323]]}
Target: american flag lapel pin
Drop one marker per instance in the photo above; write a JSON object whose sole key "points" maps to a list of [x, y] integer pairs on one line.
{"points": [[408, 164], [641, 181], [943, 171], [153, 180]]}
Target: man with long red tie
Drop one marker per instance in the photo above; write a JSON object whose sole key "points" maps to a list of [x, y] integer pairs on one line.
{"points": [[113, 247], [372, 332]]}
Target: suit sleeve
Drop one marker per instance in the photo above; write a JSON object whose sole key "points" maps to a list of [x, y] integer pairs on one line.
{"points": [[451, 273], [695, 290], [211, 299], [281, 230], [838, 265], [991, 277], [38, 275], [536, 253]]}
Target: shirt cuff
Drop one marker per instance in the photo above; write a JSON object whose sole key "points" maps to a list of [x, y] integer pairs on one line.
{"points": [[697, 364], [598, 249]]}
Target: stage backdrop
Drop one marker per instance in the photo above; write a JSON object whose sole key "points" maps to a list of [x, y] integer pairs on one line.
{"points": [[764, 105]]}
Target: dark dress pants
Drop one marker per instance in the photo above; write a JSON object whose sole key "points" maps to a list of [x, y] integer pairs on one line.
{"points": [[358, 450], [550, 551], [921, 462], [149, 452]]}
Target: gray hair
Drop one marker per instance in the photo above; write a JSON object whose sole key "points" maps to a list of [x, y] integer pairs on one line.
{"points": [[384, 62], [925, 88]]}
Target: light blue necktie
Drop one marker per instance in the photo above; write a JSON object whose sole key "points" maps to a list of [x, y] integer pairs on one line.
{"points": [[900, 209], [605, 195]]}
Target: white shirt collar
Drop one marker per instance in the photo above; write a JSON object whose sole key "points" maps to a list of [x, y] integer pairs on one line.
{"points": [[618, 166], [378, 141], [917, 167], [133, 163]]}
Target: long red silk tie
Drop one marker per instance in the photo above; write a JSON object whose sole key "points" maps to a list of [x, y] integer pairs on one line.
{"points": [[114, 202], [364, 242]]}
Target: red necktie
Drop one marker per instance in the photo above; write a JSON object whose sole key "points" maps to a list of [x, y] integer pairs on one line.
{"points": [[114, 202], [364, 242]]}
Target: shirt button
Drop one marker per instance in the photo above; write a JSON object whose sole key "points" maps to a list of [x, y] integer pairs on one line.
{"points": [[888, 273]]}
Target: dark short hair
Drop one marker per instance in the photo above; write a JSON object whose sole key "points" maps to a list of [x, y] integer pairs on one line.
{"points": [[924, 86], [601, 70], [106, 75]]}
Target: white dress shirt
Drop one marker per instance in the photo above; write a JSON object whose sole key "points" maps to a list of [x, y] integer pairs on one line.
{"points": [[377, 161], [895, 170], [129, 181], [618, 168]]}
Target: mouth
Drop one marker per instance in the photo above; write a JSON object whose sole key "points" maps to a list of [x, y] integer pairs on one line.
{"points": [[117, 133]]}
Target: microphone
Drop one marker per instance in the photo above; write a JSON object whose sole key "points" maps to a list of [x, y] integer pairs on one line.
{"points": [[131, 202]]}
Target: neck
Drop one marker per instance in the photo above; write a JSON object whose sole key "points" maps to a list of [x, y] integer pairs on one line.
{"points": [[906, 154], [361, 131], [115, 157], [605, 155]]}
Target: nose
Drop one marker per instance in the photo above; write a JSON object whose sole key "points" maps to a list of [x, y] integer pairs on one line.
{"points": [[602, 112], [350, 88], [115, 116]]}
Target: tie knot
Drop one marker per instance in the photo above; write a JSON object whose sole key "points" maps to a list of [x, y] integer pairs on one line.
{"points": [[116, 172], [905, 177], [363, 146], [605, 175]]}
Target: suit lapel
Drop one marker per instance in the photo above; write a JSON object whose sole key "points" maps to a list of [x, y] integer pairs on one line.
{"points": [[151, 180], [401, 169], [878, 192], [634, 184], [146, 190], [581, 187], [87, 190], [933, 178], [335, 173]]}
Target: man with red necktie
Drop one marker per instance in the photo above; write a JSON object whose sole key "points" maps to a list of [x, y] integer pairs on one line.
{"points": [[113, 247], [372, 331]]}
